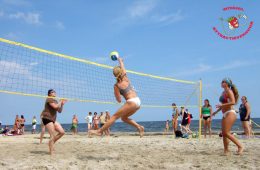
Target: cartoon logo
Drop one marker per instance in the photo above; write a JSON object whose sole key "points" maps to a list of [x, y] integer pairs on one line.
{"points": [[234, 24]]}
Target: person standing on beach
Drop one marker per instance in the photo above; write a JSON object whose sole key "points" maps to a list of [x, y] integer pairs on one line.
{"points": [[96, 121], [167, 127], [206, 113], [49, 115], [189, 121], [107, 132], [244, 111], [22, 121], [89, 120], [16, 127], [184, 121], [34, 122], [175, 115], [228, 99], [123, 87], [74, 126]]}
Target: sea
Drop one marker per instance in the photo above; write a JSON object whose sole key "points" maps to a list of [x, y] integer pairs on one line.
{"points": [[157, 126]]}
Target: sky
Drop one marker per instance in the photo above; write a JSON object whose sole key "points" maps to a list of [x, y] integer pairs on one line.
{"points": [[168, 38]]}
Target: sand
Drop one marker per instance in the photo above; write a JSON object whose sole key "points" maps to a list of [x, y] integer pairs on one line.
{"points": [[125, 152]]}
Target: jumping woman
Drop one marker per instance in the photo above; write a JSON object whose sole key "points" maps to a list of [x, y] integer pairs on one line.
{"points": [[123, 87], [228, 99], [49, 115]]}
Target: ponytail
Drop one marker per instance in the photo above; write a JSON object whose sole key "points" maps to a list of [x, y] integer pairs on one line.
{"points": [[235, 91], [117, 71], [119, 79]]}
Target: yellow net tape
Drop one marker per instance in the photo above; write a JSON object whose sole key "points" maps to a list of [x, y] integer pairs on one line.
{"points": [[31, 71]]}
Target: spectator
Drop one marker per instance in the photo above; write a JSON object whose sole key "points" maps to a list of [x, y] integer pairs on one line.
{"points": [[22, 121], [96, 121], [167, 126], [189, 120], [175, 115], [206, 114], [89, 120], [1, 129], [5, 130], [34, 122], [107, 132], [16, 128], [185, 121], [244, 112], [74, 126]]}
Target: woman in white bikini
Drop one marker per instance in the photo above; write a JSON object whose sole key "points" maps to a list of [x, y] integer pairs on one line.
{"points": [[228, 99], [123, 87]]}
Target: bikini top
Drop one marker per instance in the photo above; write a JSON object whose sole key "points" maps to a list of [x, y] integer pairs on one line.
{"points": [[126, 90], [223, 98]]}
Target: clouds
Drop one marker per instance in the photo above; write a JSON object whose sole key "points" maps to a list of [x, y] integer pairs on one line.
{"points": [[169, 18], [203, 68], [23, 12], [141, 8], [30, 17], [14, 67], [59, 25], [148, 11], [16, 2], [1, 13]]}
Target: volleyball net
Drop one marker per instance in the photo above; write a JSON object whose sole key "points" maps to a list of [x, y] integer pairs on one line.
{"points": [[31, 71]]}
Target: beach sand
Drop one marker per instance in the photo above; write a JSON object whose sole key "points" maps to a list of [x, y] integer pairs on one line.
{"points": [[125, 152]]}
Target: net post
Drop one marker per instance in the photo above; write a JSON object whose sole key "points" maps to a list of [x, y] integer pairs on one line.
{"points": [[200, 104]]}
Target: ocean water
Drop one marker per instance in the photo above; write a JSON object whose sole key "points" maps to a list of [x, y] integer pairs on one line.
{"points": [[156, 126]]}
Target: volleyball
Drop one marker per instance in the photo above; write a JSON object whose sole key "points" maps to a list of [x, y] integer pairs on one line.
{"points": [[114, 55]]}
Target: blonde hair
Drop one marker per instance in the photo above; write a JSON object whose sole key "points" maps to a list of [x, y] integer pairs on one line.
{"points": [[117, 71]]}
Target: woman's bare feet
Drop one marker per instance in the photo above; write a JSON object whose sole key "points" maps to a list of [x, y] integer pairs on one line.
{"points": [[226, 152], [240, 150], [141, 131]]}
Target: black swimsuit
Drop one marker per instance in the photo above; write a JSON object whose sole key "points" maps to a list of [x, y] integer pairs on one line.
{"points": [[242, 112], [46, 121]]}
